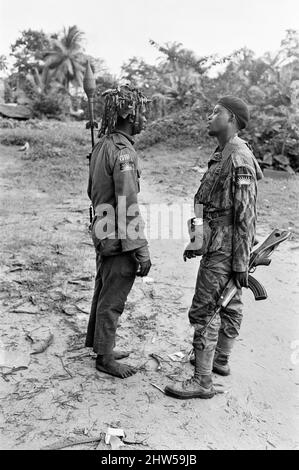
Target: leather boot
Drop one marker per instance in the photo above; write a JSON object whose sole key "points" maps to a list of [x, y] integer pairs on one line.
{"points": [[200, 385], [223, 350]]}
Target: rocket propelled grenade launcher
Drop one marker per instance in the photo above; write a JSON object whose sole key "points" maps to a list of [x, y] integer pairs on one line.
{"points": [[89, 86], [259, 257]]}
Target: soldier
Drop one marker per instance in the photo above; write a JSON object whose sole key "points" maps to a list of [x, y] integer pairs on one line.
{"points": [[228, 193], [117, 226]]}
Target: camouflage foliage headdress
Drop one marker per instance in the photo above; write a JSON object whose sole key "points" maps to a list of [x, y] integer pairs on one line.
{"points": [[121, 101]]}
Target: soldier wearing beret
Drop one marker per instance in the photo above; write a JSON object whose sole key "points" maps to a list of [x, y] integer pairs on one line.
{"points": [[117, 226], [228, 194]]}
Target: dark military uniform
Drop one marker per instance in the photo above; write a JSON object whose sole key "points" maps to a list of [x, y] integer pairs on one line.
{"points": [[228, 193], [116, 232]]}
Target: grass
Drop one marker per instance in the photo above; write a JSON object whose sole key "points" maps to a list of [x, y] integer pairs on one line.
{"points": [[55, 134], [56, 161]]}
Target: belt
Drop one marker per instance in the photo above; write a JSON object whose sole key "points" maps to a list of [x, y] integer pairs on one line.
{"points": [[216, 219]]}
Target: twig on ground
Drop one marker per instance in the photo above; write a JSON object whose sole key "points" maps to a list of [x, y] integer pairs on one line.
{"points": [[81, 309], [76, 348], [61, 377], [131, 443], [29, 394], [77, 210], [259, 365], [156, 357], [174, 285], [79, 356], [271, 444], [65, 368], [65, 403], [10, 223], [88, 277], [29, 312], [159, 388], [66, 312], [62, 444], [9, 309], [13, 370], [4, 377], [27, 336]]}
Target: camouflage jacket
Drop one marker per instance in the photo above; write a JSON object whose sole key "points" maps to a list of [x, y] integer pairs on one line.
{"points": [[113, 187], [228, 192]]}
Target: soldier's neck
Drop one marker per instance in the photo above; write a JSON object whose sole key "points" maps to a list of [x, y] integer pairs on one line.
{"points": [[224, 138], [126, 127]]}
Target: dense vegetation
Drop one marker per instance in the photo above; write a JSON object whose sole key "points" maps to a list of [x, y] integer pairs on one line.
{"points": [[48, 71]]}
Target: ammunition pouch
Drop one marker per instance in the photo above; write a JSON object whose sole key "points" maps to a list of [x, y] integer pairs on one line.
{"points": [[195, 230]]}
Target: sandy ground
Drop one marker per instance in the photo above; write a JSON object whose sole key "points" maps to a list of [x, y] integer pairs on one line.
{"points": [[54, 397]]}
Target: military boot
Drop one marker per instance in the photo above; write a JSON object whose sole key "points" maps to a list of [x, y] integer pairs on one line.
{"points": [[200, 385], [223, 351]]}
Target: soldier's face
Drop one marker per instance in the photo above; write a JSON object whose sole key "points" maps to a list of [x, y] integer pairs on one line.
{"points": [[219, 121], [140, 122]]}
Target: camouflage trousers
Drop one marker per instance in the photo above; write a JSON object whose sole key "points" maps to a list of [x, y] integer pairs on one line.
{"points": [[214, 272]]}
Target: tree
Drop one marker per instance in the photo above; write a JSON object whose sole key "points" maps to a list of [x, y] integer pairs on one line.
{"points": [[139, 73], [28, 51], [65, 57]]}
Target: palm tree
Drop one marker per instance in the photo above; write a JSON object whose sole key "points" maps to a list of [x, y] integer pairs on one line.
{"points": [[40, 81], [66, 59]]}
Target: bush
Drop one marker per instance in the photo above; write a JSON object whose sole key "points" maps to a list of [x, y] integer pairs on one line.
{"points": [[182, 129], [55, 105], [7, 123], [274, 143]]}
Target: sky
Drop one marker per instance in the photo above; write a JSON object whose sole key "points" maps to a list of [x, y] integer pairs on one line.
{"points": [[116, 30]]}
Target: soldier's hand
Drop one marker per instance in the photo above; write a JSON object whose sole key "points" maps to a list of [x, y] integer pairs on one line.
{"points": [[188, 254], [144, 268], [241, 279], [143, 257]]}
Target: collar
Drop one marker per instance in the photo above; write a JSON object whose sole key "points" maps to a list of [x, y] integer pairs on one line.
{"points": [[219, 154], [129, 137], [231, 139], [216, 156], [233, 142]]}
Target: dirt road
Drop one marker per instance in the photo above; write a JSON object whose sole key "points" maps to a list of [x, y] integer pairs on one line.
{"points": [[57, 396]]}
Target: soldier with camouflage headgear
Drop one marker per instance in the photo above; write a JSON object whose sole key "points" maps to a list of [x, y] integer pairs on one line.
{"points": [[227, 193], [117, 226]]}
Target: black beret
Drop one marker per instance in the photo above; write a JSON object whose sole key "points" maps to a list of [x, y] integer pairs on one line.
{"points": [[238, 107]]}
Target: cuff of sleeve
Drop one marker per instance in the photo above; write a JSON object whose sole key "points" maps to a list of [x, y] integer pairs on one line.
{"points": [[142, 254], [240, 268], [132, 245]]}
